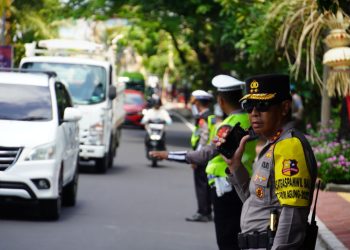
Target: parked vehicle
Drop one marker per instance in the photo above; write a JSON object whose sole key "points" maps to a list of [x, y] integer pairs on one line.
{"points": [[88, 71], [39, 143], [134, 106]]}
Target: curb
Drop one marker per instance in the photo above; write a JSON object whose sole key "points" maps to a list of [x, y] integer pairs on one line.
{"points": [[337, 187], [327, 237]]}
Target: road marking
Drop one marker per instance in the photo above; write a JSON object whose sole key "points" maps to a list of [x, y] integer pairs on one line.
{"points": [[183, 119], [345, 196]]}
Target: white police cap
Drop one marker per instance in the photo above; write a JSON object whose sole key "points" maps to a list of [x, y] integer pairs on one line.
{"points": [[227, 83], [202, 95]]}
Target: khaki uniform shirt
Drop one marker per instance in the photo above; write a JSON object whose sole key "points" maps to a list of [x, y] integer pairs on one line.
{"points": [[283, 179]]}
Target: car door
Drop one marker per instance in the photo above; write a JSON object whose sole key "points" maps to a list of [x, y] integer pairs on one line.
{"points": [[69, 133]]}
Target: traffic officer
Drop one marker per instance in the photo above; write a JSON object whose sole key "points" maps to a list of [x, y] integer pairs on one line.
{"points": [[278, 196], [204, 124], [226, 203]]}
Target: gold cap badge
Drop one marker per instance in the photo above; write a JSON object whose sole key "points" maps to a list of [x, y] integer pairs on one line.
{"points": [[254, 85]]}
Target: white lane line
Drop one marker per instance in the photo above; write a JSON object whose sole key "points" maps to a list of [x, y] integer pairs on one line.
{"points": [[183, 119]]}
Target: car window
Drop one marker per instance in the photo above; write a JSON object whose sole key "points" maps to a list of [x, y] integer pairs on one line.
{"points": [[134, 99], [86, 83], [63, 99], [25, 102], [67, 97]]}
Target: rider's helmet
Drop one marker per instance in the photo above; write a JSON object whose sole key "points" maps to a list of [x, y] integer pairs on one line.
{"points": [[157, 102]]}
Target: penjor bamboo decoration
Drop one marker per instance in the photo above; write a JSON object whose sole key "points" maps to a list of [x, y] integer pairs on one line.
{"points": [[338, 56]]}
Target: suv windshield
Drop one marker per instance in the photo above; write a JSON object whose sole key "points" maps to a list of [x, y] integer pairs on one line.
{"points": [[86, 83], [25, 102]]}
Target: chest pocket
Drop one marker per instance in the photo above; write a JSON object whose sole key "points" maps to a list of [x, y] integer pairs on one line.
{"points": [[260, 186]]}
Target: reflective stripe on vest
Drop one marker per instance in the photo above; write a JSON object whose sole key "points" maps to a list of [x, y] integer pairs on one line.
{"points": [[211, 120], [211, 127], [195, 137]]}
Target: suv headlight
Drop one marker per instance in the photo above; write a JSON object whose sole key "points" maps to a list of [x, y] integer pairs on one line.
{"points": [[43, 152], [96, 133]]}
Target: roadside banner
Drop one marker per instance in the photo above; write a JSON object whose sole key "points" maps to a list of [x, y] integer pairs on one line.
{"points": [[6, 55]]}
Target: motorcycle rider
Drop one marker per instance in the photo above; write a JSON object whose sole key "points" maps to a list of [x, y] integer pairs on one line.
{"points": [[157, 112]]}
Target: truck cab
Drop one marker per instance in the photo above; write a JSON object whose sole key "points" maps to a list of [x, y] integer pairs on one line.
{"points": [[88, 71]]}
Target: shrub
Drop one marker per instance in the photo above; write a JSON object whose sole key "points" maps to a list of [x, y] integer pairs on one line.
{"points": [[333, 156]]}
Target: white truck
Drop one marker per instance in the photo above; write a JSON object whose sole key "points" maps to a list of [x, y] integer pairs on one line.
{"points": [[88, 71]]}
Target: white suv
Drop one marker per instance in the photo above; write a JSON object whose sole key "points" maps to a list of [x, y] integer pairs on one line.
{"points": [[39, 143]]}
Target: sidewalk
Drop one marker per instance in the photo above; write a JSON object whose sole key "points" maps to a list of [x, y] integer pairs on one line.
{"points": [[332, 211], [333, 214]]}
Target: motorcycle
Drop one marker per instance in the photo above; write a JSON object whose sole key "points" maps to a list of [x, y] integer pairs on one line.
{"points": [[155, 138]]}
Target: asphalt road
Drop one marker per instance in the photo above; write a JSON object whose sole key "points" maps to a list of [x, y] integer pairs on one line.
{"points": [[132, 207]]}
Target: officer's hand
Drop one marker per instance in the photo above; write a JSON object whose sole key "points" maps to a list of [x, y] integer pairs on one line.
{"points": [[160, 155], [236, 161]]}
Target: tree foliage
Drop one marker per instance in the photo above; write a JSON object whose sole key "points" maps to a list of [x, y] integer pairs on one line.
{"points": [[32, 20]]}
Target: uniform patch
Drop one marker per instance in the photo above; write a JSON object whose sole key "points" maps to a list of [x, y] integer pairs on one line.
{"points": [[259, 178], [292, 177], [290, 167], [223, 130], [201, 122], [265, 165], [259, 192]]}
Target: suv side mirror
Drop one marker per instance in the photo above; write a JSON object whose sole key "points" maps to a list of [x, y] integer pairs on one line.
{"points": [[71, 114], [112, 93]]}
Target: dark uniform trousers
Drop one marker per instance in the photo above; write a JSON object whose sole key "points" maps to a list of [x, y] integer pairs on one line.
{"points": [[202, 190], [227, 214]]}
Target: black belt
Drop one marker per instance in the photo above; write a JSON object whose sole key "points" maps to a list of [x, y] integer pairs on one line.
{"points": [[254, 240]]}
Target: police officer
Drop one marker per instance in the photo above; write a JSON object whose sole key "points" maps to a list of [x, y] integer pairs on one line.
{"points": [[204, 123], [226, 203], [278, 196]]}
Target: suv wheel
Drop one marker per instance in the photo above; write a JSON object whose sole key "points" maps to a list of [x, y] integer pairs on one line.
{"points": [[70, 191], [102, 164], [111, 153], [51, 209], [154, 163]]}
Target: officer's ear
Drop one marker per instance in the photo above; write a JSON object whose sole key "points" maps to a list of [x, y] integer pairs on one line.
{"points": [[220, 101], [286, 107]]}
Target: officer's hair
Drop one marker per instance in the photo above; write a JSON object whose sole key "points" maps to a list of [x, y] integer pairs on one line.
{"points": [[231, 97], [205, 103]]}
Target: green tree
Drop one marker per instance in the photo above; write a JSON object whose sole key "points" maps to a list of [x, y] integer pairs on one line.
{"points": [[33, 20], [200, 32]]}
